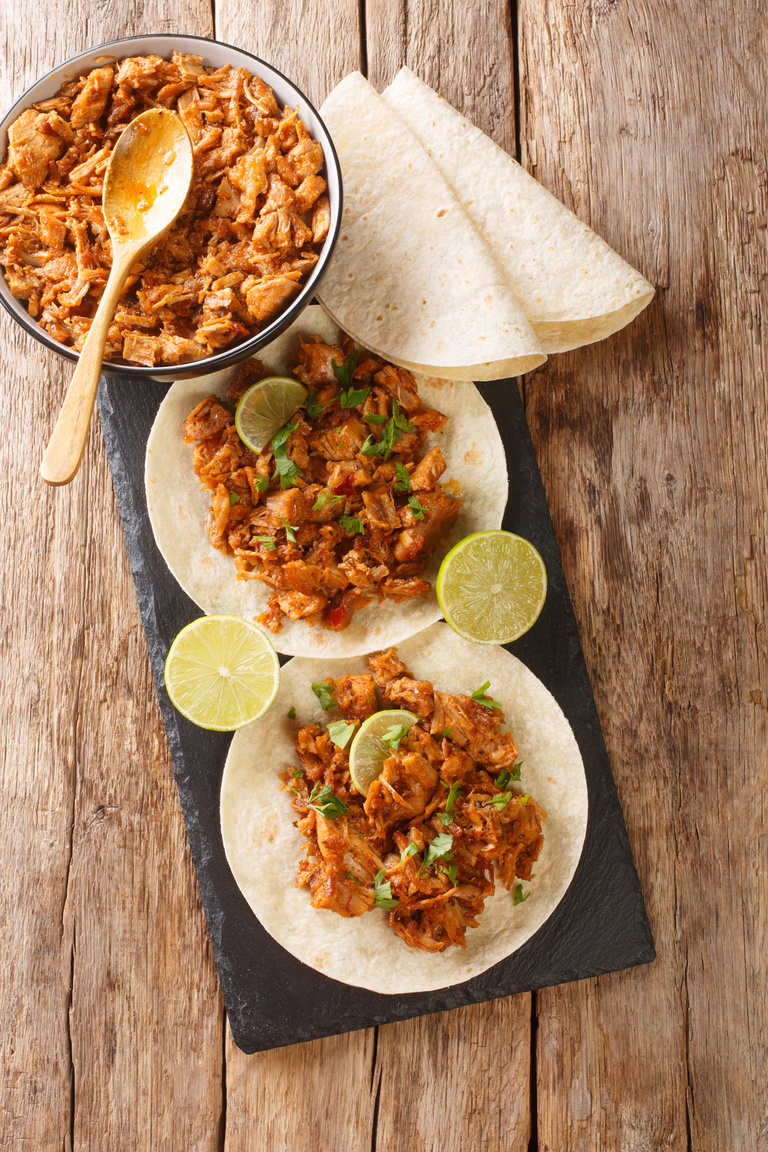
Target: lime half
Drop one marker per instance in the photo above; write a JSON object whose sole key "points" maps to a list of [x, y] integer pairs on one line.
{"points": [[222, 672], [266, 407], [492, 587], [369, 750]]}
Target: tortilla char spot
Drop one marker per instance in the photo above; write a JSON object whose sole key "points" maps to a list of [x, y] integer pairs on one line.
{"points": [[551, 780], [473, 455], [443, 212]]}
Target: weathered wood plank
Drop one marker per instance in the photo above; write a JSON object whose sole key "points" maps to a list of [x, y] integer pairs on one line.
{"points": [[645, 119], [111, 1020]]}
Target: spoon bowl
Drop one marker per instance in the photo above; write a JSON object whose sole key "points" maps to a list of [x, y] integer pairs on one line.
{"points": [[145, 186]]}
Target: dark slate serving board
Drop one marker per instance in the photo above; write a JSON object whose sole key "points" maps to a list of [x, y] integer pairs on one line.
{"points": [[273, 999]]}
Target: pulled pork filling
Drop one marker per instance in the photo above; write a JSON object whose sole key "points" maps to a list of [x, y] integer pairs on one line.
{"points": [[251, 230], [424, 842], [340, 508]]}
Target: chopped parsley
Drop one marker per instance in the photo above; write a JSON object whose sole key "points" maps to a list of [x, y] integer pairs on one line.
{"points": [[439, 848], [375, 418], [324, 693], [524, 799], [297, 773], [383, 892], [267, 542], [451, 871], [446, 732], [353, 396], [325, 801], [233, 498], [284, 466], [341, 733], [371, 447], [451, 800], [480, 698], [402, 478], [313, 406], [394, 735], [500, 800], [352, 524], [352, 876], [343, 372], [503, 778], [416, 507], [325, 498], [410, 850], [444, 817], [395, 428], [262, 483], [516, 770], [291, 714], [519, 895], [290, 529]]}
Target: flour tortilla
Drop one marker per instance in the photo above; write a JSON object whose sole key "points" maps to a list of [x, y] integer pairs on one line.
{"points": [[178, 507], [410, 277], [263, 847], [573, 287]]}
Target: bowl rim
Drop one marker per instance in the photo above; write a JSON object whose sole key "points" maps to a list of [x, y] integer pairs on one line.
{"points": [[237, 352]]}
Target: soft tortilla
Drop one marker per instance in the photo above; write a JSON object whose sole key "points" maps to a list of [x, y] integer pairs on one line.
{"points": [[410, 277], [263, 847], [573, 287], [178, 506]]}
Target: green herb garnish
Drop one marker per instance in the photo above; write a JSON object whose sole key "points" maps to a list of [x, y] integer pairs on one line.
{"points": [[500, 800], [268, 542], [383, 892], [519, 894], [291, 714], [324, 693], [524, 799], [352, 524], [503, 778], [451, 799], [480, 698], [325, 498], [352, 876], [371, 447], [440, 847], [290, 529], [409, 850], [395, 428], [394, 735], [344, 372], [341, 733], [233, 498], [444, 817], [416, 507], [446, 732], [297, 772], [451, 871], [402, 478], [284, 466], [516, 770], [313, 406], [262, 483], [375, 418], [326, 802], [353, 396]]}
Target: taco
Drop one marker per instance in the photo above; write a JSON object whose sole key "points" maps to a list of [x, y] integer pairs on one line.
{"points": [[460, 851], [331, 539]]}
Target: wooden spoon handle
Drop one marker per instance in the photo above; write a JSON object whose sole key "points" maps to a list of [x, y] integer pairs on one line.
{"points": [[65, 447]]}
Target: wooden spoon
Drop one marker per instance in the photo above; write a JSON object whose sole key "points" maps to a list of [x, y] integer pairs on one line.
{"points": [[146, 184]]}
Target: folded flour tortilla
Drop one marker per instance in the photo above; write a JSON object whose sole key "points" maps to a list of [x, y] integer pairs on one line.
{"points": [[263, 846], [572, 286], [410, 277], [178, 507]]}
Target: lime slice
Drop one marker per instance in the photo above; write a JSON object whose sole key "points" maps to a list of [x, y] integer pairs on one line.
{"points": [[222, 672], [369, 751], [266, 407], [492, 587]]}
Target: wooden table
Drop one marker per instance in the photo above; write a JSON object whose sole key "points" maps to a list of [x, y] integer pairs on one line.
{"points": [[649, 121]]}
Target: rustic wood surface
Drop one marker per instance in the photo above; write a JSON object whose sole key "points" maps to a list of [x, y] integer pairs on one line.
{"points": [[649, 120]]}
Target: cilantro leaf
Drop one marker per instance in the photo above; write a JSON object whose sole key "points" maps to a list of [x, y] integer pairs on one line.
{"points": [[297, 772], [325, 498], [410, 850], [324, 693], [284, 466], [500, 800], [416, 508], [326, 802], [343, 372], [352, 524], [279, 438], [402, 478], [516, 770], [440, 847], [267, 541], [290, 529], [519, 894], [262, 483], [353, 396], [451, 871], [443, 817], [395, 428], [503, 778], [375, 418], [394, 735], [451, 799], [340, 733], [371, 447], [233, 498], [352, 876], [291, 714], [524, 799], [446, 732], [383, 892], [313, 406], [480, 698]]}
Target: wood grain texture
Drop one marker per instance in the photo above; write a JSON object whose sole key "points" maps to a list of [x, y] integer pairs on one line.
{"points": [[644, 119], [111, 1038]]}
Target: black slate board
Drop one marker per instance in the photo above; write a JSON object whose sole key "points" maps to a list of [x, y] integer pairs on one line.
{"points": [[273, 999]]}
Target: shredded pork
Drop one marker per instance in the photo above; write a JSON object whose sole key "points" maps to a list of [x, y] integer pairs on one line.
{"points": [[335, 517], [437, 825], [251, 230]]}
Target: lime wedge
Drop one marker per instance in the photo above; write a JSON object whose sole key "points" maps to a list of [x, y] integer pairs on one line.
{"points": [[222, 672], [492, 587], [266, 407], [369, 751]]}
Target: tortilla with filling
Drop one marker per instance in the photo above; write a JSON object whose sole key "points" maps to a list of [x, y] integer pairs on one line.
{"points": [[263, 846], [573, 287], [178, 506], [410, 277]]}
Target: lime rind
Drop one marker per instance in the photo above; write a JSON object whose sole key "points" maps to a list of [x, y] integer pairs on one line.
{"points": [[368, 751], [492, 587], [199, 691], [266, 407]]}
